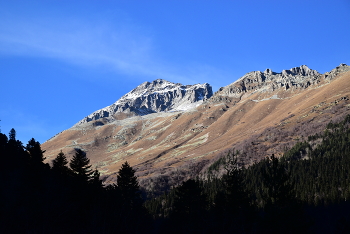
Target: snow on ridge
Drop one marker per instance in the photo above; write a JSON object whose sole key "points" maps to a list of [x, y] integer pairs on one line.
{"points": [[162, 88], [154, 97]]}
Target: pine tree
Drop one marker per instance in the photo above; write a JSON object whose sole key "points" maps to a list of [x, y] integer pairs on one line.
{"points": [[189, 199], [135, 218], [36, 154], [3, 148], [59, 164], [80, 165], [282, 211], [189, 208], [15, 146], [128, 185], [235, 196], [276, 182], [12, 134], [95, 180], [17, 157]]}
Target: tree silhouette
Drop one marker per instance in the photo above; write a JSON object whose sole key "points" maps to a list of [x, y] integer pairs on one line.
{"points": [[14, 146], [16, 156], [235, 195], [277, 188], [282, 211], [189, 199], [128, 185], [12, 134], [3, 149], [36, 154], [189, 208], [135, 218], [59, 164], [231, 204], [95, 179], [80, 165]]}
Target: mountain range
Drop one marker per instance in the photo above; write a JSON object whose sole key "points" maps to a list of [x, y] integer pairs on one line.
{"points": [[171, 132]]}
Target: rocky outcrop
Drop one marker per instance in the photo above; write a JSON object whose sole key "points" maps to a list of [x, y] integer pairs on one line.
{"points": [[269, 81], [152, 97], [340, 69]]}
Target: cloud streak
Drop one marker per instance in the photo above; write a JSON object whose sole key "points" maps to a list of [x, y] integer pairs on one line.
{"points": [[81, 42], [117, 47]]}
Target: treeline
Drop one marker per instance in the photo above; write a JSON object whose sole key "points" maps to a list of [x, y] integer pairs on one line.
{"points": [[306, 190], [68, 197]]}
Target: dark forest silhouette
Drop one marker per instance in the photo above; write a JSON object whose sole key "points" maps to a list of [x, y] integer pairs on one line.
{"points": [[306, 190]]}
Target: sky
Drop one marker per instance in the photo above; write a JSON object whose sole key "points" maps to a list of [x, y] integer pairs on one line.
{"points": [[62, 60]]}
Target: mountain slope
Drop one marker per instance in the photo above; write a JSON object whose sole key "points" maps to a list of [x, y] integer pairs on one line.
{"points": [[256, 115]]}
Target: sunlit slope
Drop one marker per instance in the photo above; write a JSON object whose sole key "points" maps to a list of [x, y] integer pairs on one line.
{"points": [[157, 143]]}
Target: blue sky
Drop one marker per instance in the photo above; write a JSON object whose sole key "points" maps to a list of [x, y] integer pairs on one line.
{"points": [[62, 60]]}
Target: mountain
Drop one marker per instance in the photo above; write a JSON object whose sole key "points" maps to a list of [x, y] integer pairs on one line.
{"points": [[260, 114], [153, 97], [269, 82]]}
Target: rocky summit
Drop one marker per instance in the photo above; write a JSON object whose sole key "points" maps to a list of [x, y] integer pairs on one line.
{"points": [[268, 84], [152, 97], [171, 132], [268, 81]]}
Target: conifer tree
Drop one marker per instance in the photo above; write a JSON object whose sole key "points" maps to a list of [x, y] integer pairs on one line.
{"points": [[276, 182], [59, 164], [12, 134], [128, 185], [95, 180], [80, 165], [189, 199], [135, 219], [189, 208], [3, 147], [15, 146], [36, 154], [283, 211], [233, 184], [17, 157]]}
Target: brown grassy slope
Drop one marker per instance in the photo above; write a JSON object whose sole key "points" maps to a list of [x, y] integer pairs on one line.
{"points": [[159, 144]]}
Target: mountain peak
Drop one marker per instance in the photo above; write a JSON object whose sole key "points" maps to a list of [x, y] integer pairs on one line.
{"points": [[303, 70], [152, 97]]}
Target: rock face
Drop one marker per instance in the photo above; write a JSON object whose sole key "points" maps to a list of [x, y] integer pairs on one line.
{"points": [[340, 69], [152, 97], [269, 81]]}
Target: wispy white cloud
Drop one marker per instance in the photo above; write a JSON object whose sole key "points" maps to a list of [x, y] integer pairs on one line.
{"points": [[78, 42], [121, 48], [116, 46]]}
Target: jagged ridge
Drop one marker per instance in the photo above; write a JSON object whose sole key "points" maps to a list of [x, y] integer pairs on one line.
{"points": [[152, 97], [269, 81]]}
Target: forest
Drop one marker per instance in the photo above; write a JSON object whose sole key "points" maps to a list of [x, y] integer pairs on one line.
{"points": [[307, 190]]}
